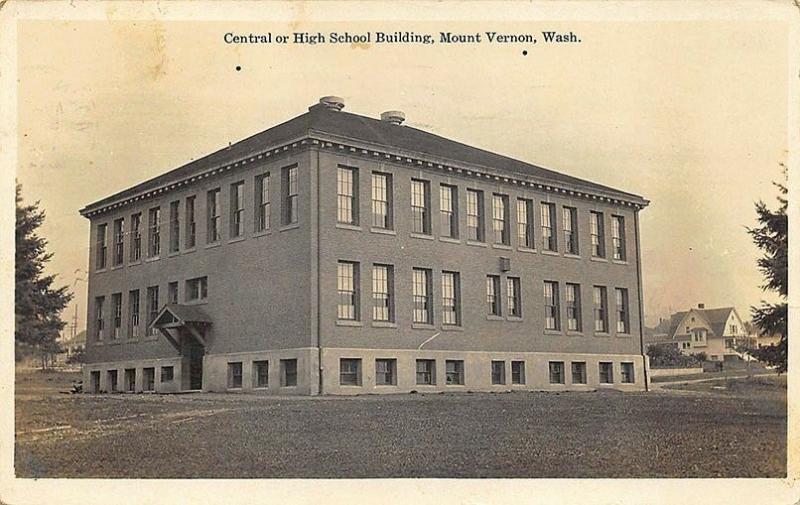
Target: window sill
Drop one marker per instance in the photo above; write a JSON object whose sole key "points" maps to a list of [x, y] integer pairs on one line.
{"points": [[501, 246], [450, 240], [422, 326], [212, 245], [115, 341], [383, 231], [491, 317], [152, 259], [262, 233], [134, 263], [574, 333], [344, 322], [385, 385], [201, 301], [288, 227], [601, 334], [173, 254], [598, 259], [452, 327], [514, 319], [99, 343], [260, 388], [620, 262], [477, 244], [383, 324], [526, 250], [550, 253], [629, 335], [189, 250], [553, 332], [117, 267], [132, 340], [348, 226], [421, 235], [236, 239], [100, 271], [573, 256]]}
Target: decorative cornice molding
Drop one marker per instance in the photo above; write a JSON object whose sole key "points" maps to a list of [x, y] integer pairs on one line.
{"points": [[354, 147]]}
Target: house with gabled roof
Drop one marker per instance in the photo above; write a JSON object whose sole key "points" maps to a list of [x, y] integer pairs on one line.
{"points": [[712, 331]]}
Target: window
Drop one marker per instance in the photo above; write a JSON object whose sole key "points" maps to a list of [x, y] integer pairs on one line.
{"points": [[627, 373], [347, 286], [262, 202], [454, 369], [154, 238], [420, 206], [260, 374], [130, 379], [99, 317], [95, 381], [500, 218], [112, 380], [618, 237], [237, 209], [728, 343], [350, 372], [598, 233], [212, 230], [382, 293], [493, 294], [149, 383], [385, 372], [578, 372], [101, 246], [733, 329], [172, 292], [381, 201], [119, 240], [606, 373], [422, 296], [475, 215], [174, 226], [288, 372], [448, 203], [451, 287], [517, 372], [426, 372], [152, 307], [235, 375], [133, 313], [552, 311], [570, 223], [498, 372], [623, 315], [191, 225], [514, 297], [556, 372], [136, 233], [573, 298], [167, 374], [116, 308], [290, 195], [347, 190], [525, 223], [197, 289], [548, 225], [600, 309]]}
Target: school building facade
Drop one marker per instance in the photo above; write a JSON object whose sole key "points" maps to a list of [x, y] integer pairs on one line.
{"points": [[340, 254]]}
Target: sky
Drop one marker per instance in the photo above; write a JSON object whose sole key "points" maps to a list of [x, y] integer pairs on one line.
{"points": [[691, 115]]}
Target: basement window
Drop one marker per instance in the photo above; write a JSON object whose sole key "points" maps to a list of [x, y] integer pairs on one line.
{"points": [[235, 375], [167, 373], [288, 372], [350, 372]]}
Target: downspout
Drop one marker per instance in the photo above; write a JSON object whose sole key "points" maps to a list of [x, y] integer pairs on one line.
{"points": [[640, 291], [319, 305]]}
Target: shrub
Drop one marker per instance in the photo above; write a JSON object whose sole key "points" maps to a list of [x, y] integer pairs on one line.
{"points": [[667, 355]]}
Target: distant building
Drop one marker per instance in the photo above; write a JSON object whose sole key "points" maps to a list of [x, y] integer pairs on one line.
{"points": [[715, 332], [338, 253]]}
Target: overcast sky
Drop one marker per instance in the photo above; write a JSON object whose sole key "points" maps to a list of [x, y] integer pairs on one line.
{"points": [[689, 115]]}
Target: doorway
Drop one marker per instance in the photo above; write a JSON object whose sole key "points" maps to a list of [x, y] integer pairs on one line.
{"points": [[196, 353]]}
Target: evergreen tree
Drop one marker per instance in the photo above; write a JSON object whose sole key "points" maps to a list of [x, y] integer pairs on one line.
{"points": [[772, 237], [37, 304]]}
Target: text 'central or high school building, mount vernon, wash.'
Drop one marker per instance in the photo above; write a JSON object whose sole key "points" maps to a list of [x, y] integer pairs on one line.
{"points": [[339, 254]]}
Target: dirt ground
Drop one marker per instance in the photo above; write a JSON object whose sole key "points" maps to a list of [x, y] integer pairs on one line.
{"points": [[721, 428]]}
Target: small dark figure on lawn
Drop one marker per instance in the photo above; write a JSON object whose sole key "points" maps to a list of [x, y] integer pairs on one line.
{"points": [[77, 387]]}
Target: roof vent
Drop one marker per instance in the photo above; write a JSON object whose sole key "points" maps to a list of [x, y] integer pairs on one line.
{"points": [[333, 103], [393, 116]]}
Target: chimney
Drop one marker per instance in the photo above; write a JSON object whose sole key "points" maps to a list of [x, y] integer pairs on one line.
{"points": [[332, 103], [393, 116], [701, 305]]}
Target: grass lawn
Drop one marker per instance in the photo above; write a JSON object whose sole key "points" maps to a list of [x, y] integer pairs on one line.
{"points": [[696, 431]]}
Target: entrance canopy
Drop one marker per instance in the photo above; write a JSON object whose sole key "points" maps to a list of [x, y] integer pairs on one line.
{"points": [[173, 317]]}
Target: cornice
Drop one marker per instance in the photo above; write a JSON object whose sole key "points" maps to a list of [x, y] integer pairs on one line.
{"points": [[354, 147]]}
